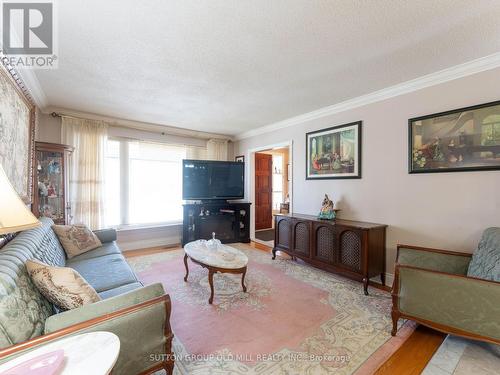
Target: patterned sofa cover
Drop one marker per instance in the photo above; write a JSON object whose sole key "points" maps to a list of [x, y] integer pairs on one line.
{"points": [[25, 314]]}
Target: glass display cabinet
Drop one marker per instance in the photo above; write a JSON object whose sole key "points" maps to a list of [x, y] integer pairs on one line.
{"points": [[51, 181]]}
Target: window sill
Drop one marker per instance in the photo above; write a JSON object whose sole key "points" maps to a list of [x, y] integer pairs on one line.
{"points": [[125, 228]]}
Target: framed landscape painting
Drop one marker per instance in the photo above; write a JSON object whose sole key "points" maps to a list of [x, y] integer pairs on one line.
{"points": [[334, 153], [465, 139]]}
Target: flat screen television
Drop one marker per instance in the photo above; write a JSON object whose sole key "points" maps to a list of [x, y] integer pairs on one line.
{"points": [[212, 180]]}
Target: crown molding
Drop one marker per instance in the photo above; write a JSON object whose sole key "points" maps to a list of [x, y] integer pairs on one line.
{"points": [[458, 71], [33, 85], [137, 125]]}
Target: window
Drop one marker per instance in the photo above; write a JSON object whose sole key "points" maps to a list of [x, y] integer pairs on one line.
{"points": [[112, 212], [143, 183]]}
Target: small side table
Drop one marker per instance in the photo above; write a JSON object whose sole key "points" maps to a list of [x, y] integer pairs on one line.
{"points": [[88, 353]]}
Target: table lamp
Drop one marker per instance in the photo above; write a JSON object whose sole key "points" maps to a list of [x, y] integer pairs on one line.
{"points": [[14, 215]]}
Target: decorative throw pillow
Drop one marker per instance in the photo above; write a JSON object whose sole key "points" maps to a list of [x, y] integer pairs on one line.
{"points": [[76, 239], [62, 286], [485, 263]]}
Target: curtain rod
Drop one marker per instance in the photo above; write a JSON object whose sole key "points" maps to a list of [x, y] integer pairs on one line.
{"points": [[55, 114]]}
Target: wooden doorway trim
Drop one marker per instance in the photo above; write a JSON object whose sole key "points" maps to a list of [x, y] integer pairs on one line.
{"points": [[250, 182]]}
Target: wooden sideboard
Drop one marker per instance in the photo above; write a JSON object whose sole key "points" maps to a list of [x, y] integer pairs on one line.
{"points": [[351, 248]]}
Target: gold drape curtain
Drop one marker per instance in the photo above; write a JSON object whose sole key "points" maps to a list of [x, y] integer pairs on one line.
{"points": [[86, 172]]}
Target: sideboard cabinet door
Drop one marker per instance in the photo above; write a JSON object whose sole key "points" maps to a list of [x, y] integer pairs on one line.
{"points": [[283, 233], [325, 243], [301, 234], [350, 249]]}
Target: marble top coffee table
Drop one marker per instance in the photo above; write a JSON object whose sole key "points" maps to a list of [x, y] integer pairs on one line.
{"points": [[87, 353], [216, 257]]}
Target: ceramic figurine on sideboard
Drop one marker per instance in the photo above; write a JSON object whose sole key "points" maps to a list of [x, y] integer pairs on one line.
{"points": [[328, 209]]}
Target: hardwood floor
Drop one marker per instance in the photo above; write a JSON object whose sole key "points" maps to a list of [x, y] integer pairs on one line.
{"points": [[410, 359]]}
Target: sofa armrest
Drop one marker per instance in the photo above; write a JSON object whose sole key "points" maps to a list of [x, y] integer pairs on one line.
{"points": [[106, 235], [139, 318], [105, 306], [433, 259], [467, 305]]}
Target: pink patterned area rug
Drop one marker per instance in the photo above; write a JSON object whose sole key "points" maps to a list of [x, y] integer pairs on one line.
{"points": [[294, 319]]}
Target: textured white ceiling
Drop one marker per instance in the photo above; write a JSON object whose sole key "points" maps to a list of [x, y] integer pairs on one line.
{"points": [[229, 66]]}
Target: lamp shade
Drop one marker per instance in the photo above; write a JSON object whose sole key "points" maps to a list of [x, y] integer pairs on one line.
{"points": [[14, 215]]}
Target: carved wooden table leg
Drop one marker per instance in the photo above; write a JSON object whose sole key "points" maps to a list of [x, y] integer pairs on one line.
{"points": [[211, 282], [186, 265], [243, 280]]}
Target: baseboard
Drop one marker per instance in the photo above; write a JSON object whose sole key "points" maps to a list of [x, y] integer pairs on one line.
{"points": [[146, 244], [389, 279]]}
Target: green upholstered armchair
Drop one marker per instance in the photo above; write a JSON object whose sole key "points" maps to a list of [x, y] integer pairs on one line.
{"points": [[431, 287]]}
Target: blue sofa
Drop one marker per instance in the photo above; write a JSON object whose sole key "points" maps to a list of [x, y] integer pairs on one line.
{"points": [[139, 315]]}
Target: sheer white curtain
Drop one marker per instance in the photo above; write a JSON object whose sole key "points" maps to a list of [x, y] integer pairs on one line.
{"points": [[196, 152], [217, 149], [86, 172]]}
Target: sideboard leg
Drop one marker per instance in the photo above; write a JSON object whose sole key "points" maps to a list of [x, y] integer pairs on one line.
{"points": [[365, 285], [274, 254]]}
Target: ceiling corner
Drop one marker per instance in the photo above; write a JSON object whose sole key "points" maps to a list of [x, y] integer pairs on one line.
{"points": [[34, 88]]}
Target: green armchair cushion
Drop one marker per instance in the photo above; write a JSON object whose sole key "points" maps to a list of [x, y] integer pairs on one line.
{"points": [[485, 263], [463, 303]]}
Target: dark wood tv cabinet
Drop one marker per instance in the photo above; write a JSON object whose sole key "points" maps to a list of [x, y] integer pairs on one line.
{"points": [[230, 221], [351, 248]]}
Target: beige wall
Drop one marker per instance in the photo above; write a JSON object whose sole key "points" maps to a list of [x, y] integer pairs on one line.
{"points": [[444, 210], [49, 128]]}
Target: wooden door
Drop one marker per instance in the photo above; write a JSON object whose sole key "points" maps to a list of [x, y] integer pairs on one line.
{"points": [[263, 191]]}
